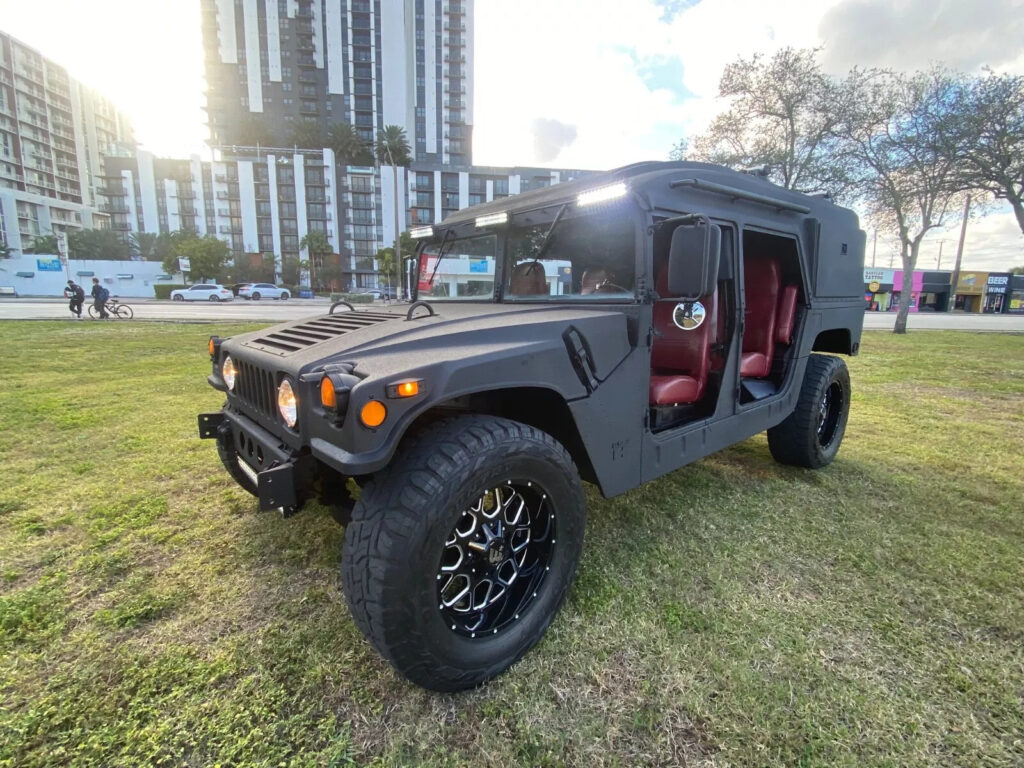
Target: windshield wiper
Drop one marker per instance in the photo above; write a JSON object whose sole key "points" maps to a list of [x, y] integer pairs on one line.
{"points": [[440, 255], [547, 235]]}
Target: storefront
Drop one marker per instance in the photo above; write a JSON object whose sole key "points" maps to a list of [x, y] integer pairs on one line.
{"points": [[935, 287], [913, 295], [1016, 295], [970, 291], [877, 289], [996, 288]]}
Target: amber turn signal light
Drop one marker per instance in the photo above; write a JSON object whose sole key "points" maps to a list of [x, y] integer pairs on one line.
{"points": [[404, 389], [373, 413], [328, 397]]}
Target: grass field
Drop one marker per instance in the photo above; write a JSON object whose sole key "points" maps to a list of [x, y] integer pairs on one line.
{"points": [[735, 612]]}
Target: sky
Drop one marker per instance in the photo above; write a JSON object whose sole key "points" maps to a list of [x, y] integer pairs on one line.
{"points": [[589, 84]]}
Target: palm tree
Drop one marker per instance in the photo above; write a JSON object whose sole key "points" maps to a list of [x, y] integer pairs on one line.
{"points": [[318, 247], [306, 134], [349, 147], [393, 146]]}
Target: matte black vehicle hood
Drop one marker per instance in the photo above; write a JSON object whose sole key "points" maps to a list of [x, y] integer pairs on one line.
{"points": [[382, 341]]}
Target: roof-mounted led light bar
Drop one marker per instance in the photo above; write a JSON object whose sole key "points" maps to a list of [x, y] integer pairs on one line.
{"points": [[602, 194], [491, 219], [417, 232]]}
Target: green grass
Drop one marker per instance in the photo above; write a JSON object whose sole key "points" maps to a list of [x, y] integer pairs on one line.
{"points": [[735, 612]]}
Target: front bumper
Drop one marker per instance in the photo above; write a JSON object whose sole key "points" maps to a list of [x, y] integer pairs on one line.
{"points": [[283, 477]]}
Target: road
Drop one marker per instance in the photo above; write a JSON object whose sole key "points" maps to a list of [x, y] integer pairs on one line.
{"points": [[278, 311]]}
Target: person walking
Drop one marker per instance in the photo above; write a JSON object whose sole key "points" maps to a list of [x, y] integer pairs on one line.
{"points": [[76, 296], [99, 297]]}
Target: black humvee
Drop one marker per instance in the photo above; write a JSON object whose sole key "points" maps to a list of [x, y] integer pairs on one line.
{"points": [[609, 329]]}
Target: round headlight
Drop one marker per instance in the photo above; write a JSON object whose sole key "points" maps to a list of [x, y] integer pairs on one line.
{"points": [[286, 403], [227, 371]]}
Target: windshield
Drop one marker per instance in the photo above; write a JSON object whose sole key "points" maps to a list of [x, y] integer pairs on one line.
{"points": [[584, 258], [465, 270], [589, 258]]}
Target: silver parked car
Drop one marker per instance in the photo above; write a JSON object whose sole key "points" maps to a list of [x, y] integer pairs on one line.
{"points": [[203, 292], [257, 291]]}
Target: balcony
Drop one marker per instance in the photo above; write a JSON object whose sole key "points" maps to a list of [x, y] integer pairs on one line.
{"points": [[220, 178], [186, 195], [226, 229], [307, 62], [109, 208], [454, 26]]}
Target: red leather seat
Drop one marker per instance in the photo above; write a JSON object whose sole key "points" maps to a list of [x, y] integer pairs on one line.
{"points": [[770, 314], [680, 359]]}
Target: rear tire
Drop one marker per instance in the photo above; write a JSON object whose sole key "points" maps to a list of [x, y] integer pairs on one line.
{"points": [[214, 297], [462, 550], [810, 436]]}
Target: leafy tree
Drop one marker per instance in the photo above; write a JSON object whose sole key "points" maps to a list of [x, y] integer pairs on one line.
{"points": [[319, 248], [1017, 270], [386, 265], [890, 128], [98, 244], [393, 148], [207, 256], [781, 115], [144, 244], [306, 134], [679, 150], [291, 270], [253, 268], [988, 130], [42, 244], [349, 147]]}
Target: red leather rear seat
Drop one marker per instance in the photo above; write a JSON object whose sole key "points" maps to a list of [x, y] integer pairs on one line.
{"points": [[680, 359], [771, 309]]}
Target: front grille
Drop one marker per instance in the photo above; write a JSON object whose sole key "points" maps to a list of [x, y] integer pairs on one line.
{"points": [[256, 388], [284, 341]]}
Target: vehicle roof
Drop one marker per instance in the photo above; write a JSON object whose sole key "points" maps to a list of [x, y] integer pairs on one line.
{"points": [[646, 178]]}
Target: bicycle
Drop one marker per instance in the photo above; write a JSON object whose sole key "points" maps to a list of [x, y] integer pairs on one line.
{"points": [[114, 308]]}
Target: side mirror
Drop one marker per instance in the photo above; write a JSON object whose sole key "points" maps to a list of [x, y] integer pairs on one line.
{"points": [[693, 259]]}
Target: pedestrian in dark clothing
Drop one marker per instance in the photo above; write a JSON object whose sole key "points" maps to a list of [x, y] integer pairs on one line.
{"points": [[76, 295], [99, 297]]}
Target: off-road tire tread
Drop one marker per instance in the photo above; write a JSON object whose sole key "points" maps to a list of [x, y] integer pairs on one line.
{"points": [[794, 441], [392, 508]]}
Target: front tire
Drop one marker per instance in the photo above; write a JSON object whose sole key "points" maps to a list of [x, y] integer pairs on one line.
{"points": [[810, 436], [462, 550], [256, 296], [178, 297], [284, 296], [124, 312], [214, 298]]}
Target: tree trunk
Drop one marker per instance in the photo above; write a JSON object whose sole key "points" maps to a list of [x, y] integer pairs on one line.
{"points": [[909, 262], [1018, 210]]}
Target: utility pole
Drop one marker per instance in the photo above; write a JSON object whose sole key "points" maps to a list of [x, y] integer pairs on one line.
{"points": [[938, 261], [874, 247], [959, 253]]}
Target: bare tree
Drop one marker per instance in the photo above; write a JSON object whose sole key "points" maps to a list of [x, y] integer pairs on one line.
{"points": [[989, 130], [891, 130], [781, 115]]}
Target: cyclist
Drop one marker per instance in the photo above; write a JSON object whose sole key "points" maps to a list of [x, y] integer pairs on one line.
{"points": [[100, 295]]}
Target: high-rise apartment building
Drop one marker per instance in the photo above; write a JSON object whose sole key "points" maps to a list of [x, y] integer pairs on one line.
{"points": [[54, 132], [271, 64], [274, 66]]}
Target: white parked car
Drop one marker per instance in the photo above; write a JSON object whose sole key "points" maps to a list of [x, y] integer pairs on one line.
{"points": [[257, 291], [203, 292]]}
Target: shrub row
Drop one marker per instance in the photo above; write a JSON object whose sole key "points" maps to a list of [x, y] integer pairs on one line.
{"points": [[163, 290]]}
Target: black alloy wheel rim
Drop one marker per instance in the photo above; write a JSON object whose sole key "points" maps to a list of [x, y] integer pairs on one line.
{"points": [[495, 559], [829, 411]]}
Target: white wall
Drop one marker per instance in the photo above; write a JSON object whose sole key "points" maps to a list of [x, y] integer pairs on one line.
{"points": [[45, 283]]}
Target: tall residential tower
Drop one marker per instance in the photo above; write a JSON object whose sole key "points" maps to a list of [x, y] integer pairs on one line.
{"points": [[271, 64]]}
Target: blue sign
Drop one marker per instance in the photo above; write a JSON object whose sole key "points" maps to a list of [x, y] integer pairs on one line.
{"points": [[478, 266], [49, 265]]}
